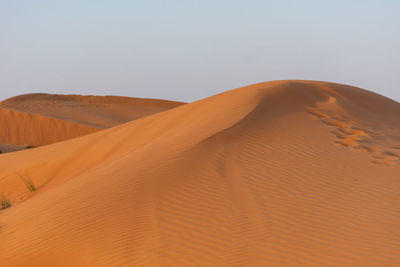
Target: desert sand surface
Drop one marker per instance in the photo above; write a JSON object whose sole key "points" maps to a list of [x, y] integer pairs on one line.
{"points": [[41, 119], [285, 173]]}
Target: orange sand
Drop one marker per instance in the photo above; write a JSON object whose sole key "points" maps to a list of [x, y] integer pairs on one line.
{"points": [[41, 119], [286, 173]]}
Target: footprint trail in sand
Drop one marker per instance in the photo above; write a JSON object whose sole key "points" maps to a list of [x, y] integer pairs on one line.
{"points": [[350, 134]]}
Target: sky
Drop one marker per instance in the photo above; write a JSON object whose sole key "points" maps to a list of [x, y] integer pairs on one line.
{"points": [[188, 50]]}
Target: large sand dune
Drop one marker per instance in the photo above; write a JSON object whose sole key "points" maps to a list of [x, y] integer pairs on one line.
{"points": [[41, 119], [287, 173]]}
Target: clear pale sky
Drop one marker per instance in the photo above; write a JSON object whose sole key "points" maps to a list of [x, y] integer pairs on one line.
{"points": [[187, 50]]}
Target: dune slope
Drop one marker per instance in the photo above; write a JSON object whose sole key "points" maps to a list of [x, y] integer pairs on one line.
{"points": [[41, 119], [287, 173]]}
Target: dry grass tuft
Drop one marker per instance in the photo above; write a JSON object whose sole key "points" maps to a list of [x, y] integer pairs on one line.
{"points": [[4, 202], [28, 182]]}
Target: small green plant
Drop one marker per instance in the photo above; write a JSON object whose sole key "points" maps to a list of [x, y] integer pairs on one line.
{"points": [[28, 182], [5, 203]]}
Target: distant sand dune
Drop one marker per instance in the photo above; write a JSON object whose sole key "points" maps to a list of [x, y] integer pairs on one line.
{"points": [[275, 174], [41, 119]]}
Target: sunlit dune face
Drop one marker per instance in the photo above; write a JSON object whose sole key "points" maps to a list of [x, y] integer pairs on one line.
{"points": [[285, 173]]}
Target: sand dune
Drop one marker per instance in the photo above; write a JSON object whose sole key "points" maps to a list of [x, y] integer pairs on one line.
{"points": [[41, 119], [286, 173]]}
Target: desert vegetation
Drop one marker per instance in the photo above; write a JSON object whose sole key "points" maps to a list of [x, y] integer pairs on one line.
{"points": [[5, 203], [28, 182]]}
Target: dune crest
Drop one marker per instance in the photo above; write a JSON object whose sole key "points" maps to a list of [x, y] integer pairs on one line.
{"points": [[285, 173], [41, 119]]}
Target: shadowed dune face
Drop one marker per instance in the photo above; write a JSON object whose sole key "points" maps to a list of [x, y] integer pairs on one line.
{"points": [[287, 173], [36, 130], [41, 119], [6, 148]]}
